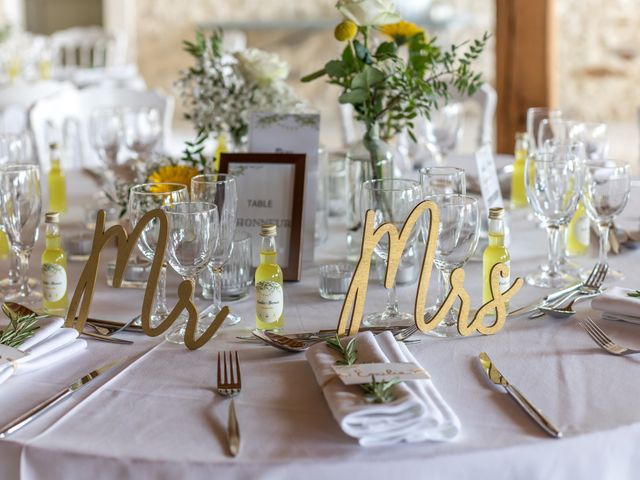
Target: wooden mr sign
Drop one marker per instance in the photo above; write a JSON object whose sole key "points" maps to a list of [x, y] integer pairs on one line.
{"points": [[126, 243], [354, 302]]}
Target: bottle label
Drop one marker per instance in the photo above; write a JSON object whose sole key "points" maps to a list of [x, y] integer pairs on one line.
{"points": [[505, 282], [54, 282], [269, 301], [581, 230]]}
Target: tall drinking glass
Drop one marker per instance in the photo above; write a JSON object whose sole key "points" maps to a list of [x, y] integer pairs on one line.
{"points": [[392, 200], [20, 209], [219, 190], [606, 193], [553, 182], [142, 199], [457, 240], [437, 182], [192, 239]]}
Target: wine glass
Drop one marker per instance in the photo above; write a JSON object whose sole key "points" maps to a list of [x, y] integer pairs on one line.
{"points": [[457, 241], [193, 236], [142, 199], [437, 182], [535, 116], [392, 200], [555, 129], [105, 134], [142, 130], [594, 137], [445, 128], [219, 190], [606, 192], [20, 208], [553, 182]]}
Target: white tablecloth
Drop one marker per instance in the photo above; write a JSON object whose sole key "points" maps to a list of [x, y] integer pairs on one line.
{"points": [[158, 416]]}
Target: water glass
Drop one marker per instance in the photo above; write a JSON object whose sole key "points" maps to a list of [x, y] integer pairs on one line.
{"points": [[237, 273], [606, 193], [442, 180], [335, 280]]}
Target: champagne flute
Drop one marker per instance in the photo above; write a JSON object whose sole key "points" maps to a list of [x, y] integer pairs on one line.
{"points": [[392, 200], [457, 240], [142, 199], [20, 209], [553, 182], [437, 182], [218, 190], [606, 193], [193, 237]]}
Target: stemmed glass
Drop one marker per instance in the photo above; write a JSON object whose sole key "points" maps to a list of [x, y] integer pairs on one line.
{"points": [[535, 116], [142, 199], [556, 129], [142, 130], [457, 241], [553, 182], [192, 239], [445, 127], [105, 134], [20, 209], [218, 190], [594, 138], [437, 182], [392, 200], [606, 192]]}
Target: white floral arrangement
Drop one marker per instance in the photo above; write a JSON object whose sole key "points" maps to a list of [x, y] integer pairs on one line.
{"points": [[221, 90]]}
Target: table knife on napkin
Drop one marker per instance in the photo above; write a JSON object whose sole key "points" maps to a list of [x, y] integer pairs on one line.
{"points": [[50, 402], [496, 377]]}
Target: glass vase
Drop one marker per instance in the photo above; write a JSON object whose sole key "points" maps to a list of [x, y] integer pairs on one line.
{"points": [[369, 159]]}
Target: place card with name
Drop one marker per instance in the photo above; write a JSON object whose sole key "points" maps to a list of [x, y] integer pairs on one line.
{"points": [[488, 178], [360, 373], [270, 191]]}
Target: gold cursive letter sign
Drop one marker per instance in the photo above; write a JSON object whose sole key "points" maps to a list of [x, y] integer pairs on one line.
{"points": [[353, 305], [125, 243]]}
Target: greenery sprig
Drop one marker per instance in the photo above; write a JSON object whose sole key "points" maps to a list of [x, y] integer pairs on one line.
{"points": [[635, 294], [21, 328], [374, 392]]}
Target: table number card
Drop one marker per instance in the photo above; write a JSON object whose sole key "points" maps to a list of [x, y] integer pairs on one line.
{"points": [[292, 133], [488, 178]]}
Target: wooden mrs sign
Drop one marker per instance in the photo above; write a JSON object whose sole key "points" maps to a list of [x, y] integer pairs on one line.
{"points": [[86, 284], [354, 302]]}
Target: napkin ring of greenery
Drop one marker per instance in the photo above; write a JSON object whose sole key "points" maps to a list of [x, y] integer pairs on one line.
{"points": [[21, 328], [374, 392]]}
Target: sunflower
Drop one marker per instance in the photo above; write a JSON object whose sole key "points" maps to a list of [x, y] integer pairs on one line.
{"points": [[172, 174], [402, 31]]}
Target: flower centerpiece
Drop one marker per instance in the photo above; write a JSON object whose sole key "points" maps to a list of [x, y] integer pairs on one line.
{"points": [[391, 72], [221, 90]]}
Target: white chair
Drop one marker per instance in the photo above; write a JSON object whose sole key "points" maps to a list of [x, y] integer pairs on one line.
{"points": [[16, 99], [55, 111], [88, 47]]}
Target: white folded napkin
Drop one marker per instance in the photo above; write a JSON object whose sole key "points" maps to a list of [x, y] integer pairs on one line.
{"points": [[417, 414], [50, 344], [617, 305]]}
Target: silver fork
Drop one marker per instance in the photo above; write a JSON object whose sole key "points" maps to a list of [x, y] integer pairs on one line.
{"points": [[590, 287], [603, 340], [229, 385]]}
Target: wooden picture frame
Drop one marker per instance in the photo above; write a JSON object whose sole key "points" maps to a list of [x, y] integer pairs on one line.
{"points": [[293, 218]]}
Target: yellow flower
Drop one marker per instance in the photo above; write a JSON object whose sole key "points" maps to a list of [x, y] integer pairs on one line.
{"points": [[172, 174], [345, 31], [401, 31]]}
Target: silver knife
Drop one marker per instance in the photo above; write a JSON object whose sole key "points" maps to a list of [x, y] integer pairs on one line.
{"points": [[49, 403], [496, 377], [554, 296]]}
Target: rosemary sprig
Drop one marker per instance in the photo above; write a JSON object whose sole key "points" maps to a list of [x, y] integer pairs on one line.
{"points": [[635, 294], [374, 392], [20, 328]]}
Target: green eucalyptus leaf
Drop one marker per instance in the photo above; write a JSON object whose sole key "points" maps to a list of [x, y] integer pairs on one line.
{"points": [[313, 76], [335, 68], [386, 50], [355, 96]]}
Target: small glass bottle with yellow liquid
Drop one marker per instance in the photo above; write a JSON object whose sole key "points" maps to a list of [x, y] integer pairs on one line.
{"points": [[54, 268], [518, 193], [495, 253], [4, 245], [57, 182], [578, 233], [269, 292]]}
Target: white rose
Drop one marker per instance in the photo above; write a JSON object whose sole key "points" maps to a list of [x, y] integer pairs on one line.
{"points": [[366, 13], [261, 67]]}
